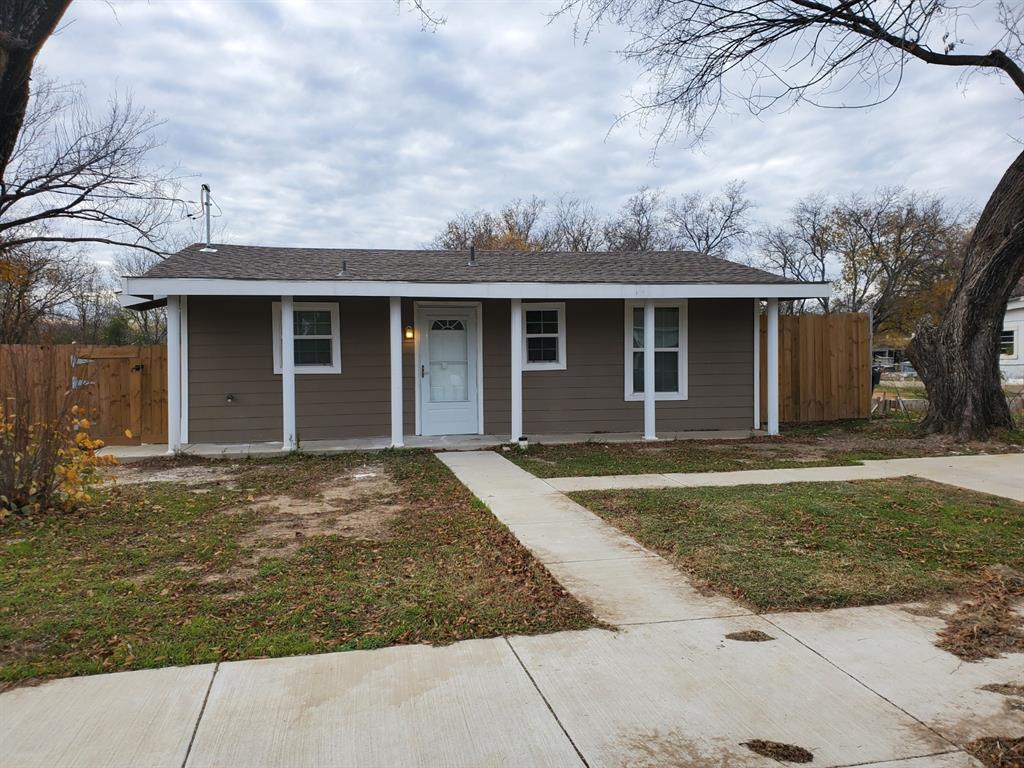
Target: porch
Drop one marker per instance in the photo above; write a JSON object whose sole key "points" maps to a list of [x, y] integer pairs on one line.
{"points": [[240, 377]]}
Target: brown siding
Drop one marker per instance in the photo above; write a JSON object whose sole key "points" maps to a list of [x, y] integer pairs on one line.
{"points": [[230, 350], [588, 396]]}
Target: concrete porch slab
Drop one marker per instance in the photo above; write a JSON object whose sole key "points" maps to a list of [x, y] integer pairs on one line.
{"points": [[893, 652], [109, 721], [433, 442], [693, 696], [468, 704]]}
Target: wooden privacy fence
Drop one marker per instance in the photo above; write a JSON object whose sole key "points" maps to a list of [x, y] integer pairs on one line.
{"points": [[824, 367], [121, 388]]}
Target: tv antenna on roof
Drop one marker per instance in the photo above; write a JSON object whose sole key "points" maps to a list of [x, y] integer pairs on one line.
{"points": [[206, 201]]}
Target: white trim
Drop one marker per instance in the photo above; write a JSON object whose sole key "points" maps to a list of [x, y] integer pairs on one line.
{"points": [[395, 344], [418, 334], [757, 363], [289, 441], [1015, 303], [516, 346], [144, 286], [173, 375], [684, 344], [183, 333], [299, 306], [1011, 329], [773, 366], [559, 364], [650, 428]]}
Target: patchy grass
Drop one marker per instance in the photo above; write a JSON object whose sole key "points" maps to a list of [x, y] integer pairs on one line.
{"points": [[805, 445], [823, 545], [273, 561], [998, 751]]}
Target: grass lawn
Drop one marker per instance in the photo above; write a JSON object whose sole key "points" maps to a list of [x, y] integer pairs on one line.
{"points": [[266, 558], [813, 445], [823, 545]]}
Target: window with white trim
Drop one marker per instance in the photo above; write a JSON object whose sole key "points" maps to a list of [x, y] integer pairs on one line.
{"points": [[1008, 342], [670, 349], [544, 336], [317, 332]]}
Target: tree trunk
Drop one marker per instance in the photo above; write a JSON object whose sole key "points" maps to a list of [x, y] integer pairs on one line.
{"points": [[958, 359], [24, 26]]}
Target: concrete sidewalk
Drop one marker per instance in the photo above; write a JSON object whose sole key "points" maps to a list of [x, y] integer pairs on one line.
{"points": [[998, 474]]}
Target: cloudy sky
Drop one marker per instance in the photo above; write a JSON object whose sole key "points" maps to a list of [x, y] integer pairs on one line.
{"points": [[343, 124]]}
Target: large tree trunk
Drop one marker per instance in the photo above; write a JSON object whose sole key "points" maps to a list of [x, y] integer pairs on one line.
{"points": [[24, 26], [958, 359]]}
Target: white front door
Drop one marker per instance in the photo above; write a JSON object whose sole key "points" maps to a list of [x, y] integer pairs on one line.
{"points": [[449, 394]]}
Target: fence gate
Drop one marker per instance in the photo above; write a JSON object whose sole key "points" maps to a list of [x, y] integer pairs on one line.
{"points": [[121, 388]]}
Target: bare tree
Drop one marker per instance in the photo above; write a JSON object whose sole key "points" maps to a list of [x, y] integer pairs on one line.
{"points": [[639, 225], [804, 247], [574, 226], [74, 177], [148, 326], [516, 227], [775, 53], [714, 224], [39, 282], [893, 245]]}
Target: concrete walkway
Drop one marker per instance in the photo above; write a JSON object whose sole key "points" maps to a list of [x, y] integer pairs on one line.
{"points": [[864, 686], [998, 474]]}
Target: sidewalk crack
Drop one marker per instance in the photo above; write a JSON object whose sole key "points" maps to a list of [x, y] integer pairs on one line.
{"points": [[199, 719], [547, 703]]}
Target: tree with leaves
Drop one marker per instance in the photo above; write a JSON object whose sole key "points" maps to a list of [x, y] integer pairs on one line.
{"points": [[776, 53]]}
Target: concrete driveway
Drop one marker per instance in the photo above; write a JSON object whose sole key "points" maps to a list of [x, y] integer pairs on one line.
{"points": [[667, 687]]}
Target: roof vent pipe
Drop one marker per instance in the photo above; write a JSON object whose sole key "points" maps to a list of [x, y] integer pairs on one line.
{"points": [[344, 268], [472, 256]]}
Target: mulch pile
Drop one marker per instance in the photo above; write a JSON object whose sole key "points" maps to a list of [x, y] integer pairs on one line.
{"points": [[998, 752], [750, 636], [776, 750], [986, 626]]}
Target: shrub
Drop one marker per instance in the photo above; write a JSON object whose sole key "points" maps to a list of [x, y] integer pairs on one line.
{"points": [[48, 461]]}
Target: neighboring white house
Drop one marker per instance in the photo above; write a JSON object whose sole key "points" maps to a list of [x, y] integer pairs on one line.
{"points": [[1011, 343]]}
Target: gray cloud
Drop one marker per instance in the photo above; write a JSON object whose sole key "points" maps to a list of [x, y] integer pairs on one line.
{"points": [[344, 124]]}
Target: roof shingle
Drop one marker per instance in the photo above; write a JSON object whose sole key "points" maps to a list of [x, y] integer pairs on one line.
{"points": [[250, 262]]}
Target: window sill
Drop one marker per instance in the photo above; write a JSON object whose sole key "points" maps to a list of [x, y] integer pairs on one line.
{"points": [[639, 396], [543, 366], [301, 370]]}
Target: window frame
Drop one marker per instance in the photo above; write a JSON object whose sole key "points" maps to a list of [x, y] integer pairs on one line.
{"points": [[684, 322], [310, 306], [1012, 355], [555, 365]]}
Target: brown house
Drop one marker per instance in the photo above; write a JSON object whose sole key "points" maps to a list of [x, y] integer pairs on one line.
{"points": [[290, 344]]}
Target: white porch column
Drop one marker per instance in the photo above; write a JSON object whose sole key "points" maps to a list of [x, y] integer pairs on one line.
{"points": [[757, 363], [183, 334], [517, 369], [650, 432], [772, 371], [395, 342], [173, 374], [288, 441]]}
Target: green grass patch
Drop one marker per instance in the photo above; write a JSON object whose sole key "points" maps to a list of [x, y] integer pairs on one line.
{"points": [[823, 545], [804, 445], [161, 574]]}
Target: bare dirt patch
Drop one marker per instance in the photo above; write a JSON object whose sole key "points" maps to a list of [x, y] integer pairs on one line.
{"points": [[186, 474], [360, 503], [750, 636], [777, 750], [987, 625], [998, 752]]}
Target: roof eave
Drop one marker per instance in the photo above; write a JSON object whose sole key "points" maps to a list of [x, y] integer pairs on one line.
{"points": [[191, 286]]}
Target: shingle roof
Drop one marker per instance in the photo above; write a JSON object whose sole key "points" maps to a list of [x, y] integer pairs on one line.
{"points": [[249, 262]]}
